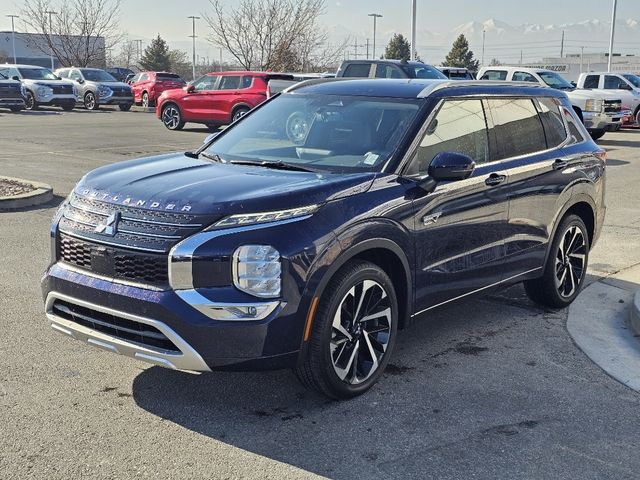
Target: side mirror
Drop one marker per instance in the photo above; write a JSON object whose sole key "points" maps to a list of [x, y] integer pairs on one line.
{"points": [[80, 81], [574, 84], [16, 78], [210, 137], [190, 88], [451, 166]]}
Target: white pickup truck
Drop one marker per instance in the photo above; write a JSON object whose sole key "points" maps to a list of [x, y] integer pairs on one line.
{"points": [[600, 111], [625, 85]]}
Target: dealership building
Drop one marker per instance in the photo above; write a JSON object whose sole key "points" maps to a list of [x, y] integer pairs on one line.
{"points": [[572, 65], [28, 50]]}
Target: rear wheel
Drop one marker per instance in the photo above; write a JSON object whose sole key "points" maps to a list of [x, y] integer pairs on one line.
{"points": [[566, 266], [125, 107], [352, 334], [597, 135], [15, 109], [172, 117], [30, 102], [90, 102], [213, 128], [239, 112], [67, 107], [637, 116]]}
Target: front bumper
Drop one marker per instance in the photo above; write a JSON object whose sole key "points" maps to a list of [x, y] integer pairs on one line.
{"points": [[120, 100], [12, 102], [609, 122], [202, 344]]}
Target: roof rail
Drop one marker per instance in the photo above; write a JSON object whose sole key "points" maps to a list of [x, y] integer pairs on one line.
{"points": [[473, 83]]}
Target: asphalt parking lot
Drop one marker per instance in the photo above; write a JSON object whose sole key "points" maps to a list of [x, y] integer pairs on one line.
{"points": [[492, 387]]}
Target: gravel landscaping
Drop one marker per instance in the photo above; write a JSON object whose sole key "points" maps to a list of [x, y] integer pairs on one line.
{"points": [[12, 188]]}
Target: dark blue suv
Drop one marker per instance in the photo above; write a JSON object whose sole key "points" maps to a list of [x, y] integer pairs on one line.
{"points": [[308, 233]]}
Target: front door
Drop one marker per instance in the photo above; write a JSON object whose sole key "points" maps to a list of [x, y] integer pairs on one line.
{"points": [[198, 104], [459, 227]]}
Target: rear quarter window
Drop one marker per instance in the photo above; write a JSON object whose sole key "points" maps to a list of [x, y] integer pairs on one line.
{"points": [[357, 70], [494, 75], [554, 128]]}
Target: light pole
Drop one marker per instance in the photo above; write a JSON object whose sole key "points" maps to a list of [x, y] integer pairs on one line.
{"points": [[193, 37], [484, 34], [13, 36], [613, 32], [51, 13], [413, 29], [375, 16]]}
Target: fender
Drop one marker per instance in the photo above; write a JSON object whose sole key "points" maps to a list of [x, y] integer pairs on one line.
{"points": [[386, 235]]}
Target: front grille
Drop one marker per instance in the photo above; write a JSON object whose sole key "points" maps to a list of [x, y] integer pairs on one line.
{"points": [[122, 328], [62, 89], [113, 262], [138, 229], [121, 91], [612, 106], [10, 91]]}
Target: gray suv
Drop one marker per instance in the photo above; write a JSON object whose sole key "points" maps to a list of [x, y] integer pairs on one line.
{"points": [[97, 87], [42, 87]]}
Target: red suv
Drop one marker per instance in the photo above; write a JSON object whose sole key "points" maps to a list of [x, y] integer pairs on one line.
{"points": [[214, 99], [147, 86]]}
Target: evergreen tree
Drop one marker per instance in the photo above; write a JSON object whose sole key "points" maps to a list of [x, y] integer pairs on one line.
{"points": [[156, 56], [461, 56], [398, 48]]}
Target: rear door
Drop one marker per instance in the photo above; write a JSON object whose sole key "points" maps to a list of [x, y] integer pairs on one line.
{"points": [[525, 135], [460, 226]]}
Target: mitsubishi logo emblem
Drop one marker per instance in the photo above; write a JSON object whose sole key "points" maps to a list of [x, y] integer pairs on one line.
{"points": [[109, 226]]}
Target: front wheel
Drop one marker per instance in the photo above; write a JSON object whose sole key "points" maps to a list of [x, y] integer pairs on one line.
{"points": [[67, 107], [90, 102], [566, 267], [145, 100], [171, 117], [352, 334], [30, 103]]}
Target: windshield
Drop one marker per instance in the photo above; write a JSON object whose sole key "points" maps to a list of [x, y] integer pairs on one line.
{"points": [[336, 134], [634, 79], [423, 71], [97, 76], [554, 80], [37, 74]]}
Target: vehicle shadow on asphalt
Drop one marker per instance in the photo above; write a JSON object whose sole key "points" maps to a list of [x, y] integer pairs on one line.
{"points": [[450, 357]]}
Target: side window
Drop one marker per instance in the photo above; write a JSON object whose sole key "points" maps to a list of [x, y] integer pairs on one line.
{"points": [[143, 77], [459, 126], [246, 81], [135, 78], [205, 83], [494, 75], [357, 70], [611, 82], [516, 128], [4, 71], [574, 130], [552, 122], [75, 75], [231, 82], [524, 77], [388, 71], [13, 72], [63, 74], [591, 81]]}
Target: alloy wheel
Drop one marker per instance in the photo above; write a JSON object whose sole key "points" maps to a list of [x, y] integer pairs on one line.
{"points": [[171, 117], [360, 333], [145, 99], [31, 101], [570, 261], [241, 112], [90, 101]]}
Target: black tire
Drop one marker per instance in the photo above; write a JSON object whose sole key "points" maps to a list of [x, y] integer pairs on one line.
{"points": [[15, 109], [145, 100], [172, 117], [597, 135], [330, 365], [572, 261], [213, 128], [67, 107], [30, 102], [90, 102], [125, 107], [238, 113], [637, 116]]}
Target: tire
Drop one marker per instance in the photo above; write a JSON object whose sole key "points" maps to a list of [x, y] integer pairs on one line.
{"points": [[566, 266], [125, 107], [30, 102], [67, 107], [15, 109], [238, 113], [339, 361], [145, 100], [637, 116], [90, 102], [213, 128], [597, 135], [172, 117]]}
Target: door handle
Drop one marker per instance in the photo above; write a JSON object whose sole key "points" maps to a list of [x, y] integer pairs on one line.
{"points": [[559, 164], [495, 179]]}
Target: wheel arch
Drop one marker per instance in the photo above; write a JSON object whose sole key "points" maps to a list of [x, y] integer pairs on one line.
{"points": [[237, 106], [582, 206]]}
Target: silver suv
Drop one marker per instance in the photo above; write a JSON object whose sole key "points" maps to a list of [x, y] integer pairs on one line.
{"points": [[42, 87], [97, 87]]}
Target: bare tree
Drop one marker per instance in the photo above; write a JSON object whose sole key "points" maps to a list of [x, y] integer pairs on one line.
{"points": [[79, 34], [270, 34]]}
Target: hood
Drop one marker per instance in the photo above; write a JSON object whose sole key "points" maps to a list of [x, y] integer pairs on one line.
{"points": [[110, 84], [49, 83], [586, 94], [179, 183]]}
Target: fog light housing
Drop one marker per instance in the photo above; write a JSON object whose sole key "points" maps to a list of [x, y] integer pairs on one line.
{"points": [[257, 270]]}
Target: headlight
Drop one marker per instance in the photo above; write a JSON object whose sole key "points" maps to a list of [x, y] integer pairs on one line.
{"points": [[594, 105], [44, 91], [257, 270], [265, 217], [104, 91]]}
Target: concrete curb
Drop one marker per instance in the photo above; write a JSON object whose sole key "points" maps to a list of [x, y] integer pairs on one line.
{"points": [[136, 108], [635, 314], [42, 194], [599, 323]]}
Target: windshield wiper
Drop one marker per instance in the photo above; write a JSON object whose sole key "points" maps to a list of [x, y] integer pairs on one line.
{"points": [[277, 165], [210, 156]]}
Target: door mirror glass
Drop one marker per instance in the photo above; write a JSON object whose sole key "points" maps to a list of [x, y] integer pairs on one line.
{"points": [[451, 166], [15, 77]]}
